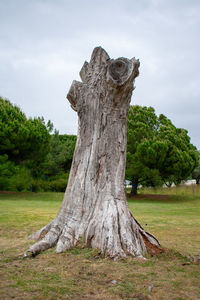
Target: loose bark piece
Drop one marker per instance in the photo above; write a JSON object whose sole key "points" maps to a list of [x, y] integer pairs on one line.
{"points": [[94, 205]]}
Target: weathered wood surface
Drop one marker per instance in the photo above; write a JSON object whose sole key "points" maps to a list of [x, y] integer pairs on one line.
{"points": [[94, 205]]}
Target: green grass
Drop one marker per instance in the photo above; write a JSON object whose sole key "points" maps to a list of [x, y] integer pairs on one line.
{"points": [[81, 273], [174, 219]]}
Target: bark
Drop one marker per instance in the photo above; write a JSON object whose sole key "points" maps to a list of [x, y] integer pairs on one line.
{"points": [[94, 204]]}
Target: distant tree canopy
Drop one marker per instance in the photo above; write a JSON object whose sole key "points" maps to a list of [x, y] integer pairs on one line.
{"points": [[30, 157], [24, 145], [196, 172], [22, 139], [60, 155], [157, 151]]}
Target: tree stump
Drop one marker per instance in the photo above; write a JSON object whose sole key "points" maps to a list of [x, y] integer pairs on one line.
{"points": [[94, 204]]}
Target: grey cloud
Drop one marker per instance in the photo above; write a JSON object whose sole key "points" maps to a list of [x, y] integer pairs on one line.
{"points": [[44, 44]]}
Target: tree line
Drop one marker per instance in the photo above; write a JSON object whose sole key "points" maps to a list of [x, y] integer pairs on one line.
{"points": [[34, 156]]}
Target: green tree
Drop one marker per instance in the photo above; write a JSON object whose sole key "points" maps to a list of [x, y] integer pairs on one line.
{"points": [[53, 173], [196, 172], [157, 151], [23, 141], [7, 169], [60, 156]]}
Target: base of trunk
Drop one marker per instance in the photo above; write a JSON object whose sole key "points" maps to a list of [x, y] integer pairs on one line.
{"points": [[113, 230]]}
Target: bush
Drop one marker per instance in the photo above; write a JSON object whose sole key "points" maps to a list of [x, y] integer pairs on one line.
{"points": [[38, 185], [7, 169], [52, 184], [58, 185], [18, 178], [13, 178], [21, 180]]}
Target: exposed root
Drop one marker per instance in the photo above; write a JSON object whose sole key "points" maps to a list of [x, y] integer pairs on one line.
{"points": [[48, 241], [113, 230], [151, 248], [152, 245], [119, 234], [66, 240], [38, 235]]}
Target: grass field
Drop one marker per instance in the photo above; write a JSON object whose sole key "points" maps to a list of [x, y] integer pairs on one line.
{"points": [[81, 273]]}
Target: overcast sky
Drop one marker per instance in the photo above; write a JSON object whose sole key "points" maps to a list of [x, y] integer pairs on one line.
{"points": [[43, 45]]}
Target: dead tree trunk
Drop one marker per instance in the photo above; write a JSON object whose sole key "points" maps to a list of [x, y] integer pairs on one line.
{"points": [[94, 205]]}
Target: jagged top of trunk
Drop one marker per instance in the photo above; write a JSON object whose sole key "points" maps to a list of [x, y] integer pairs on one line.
{"points": [[104, 71]]}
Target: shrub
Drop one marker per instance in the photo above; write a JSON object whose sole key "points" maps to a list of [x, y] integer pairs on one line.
{"points": [[20, 181], [7, 169], [52, 184], [58, 185], [12, 177]]}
